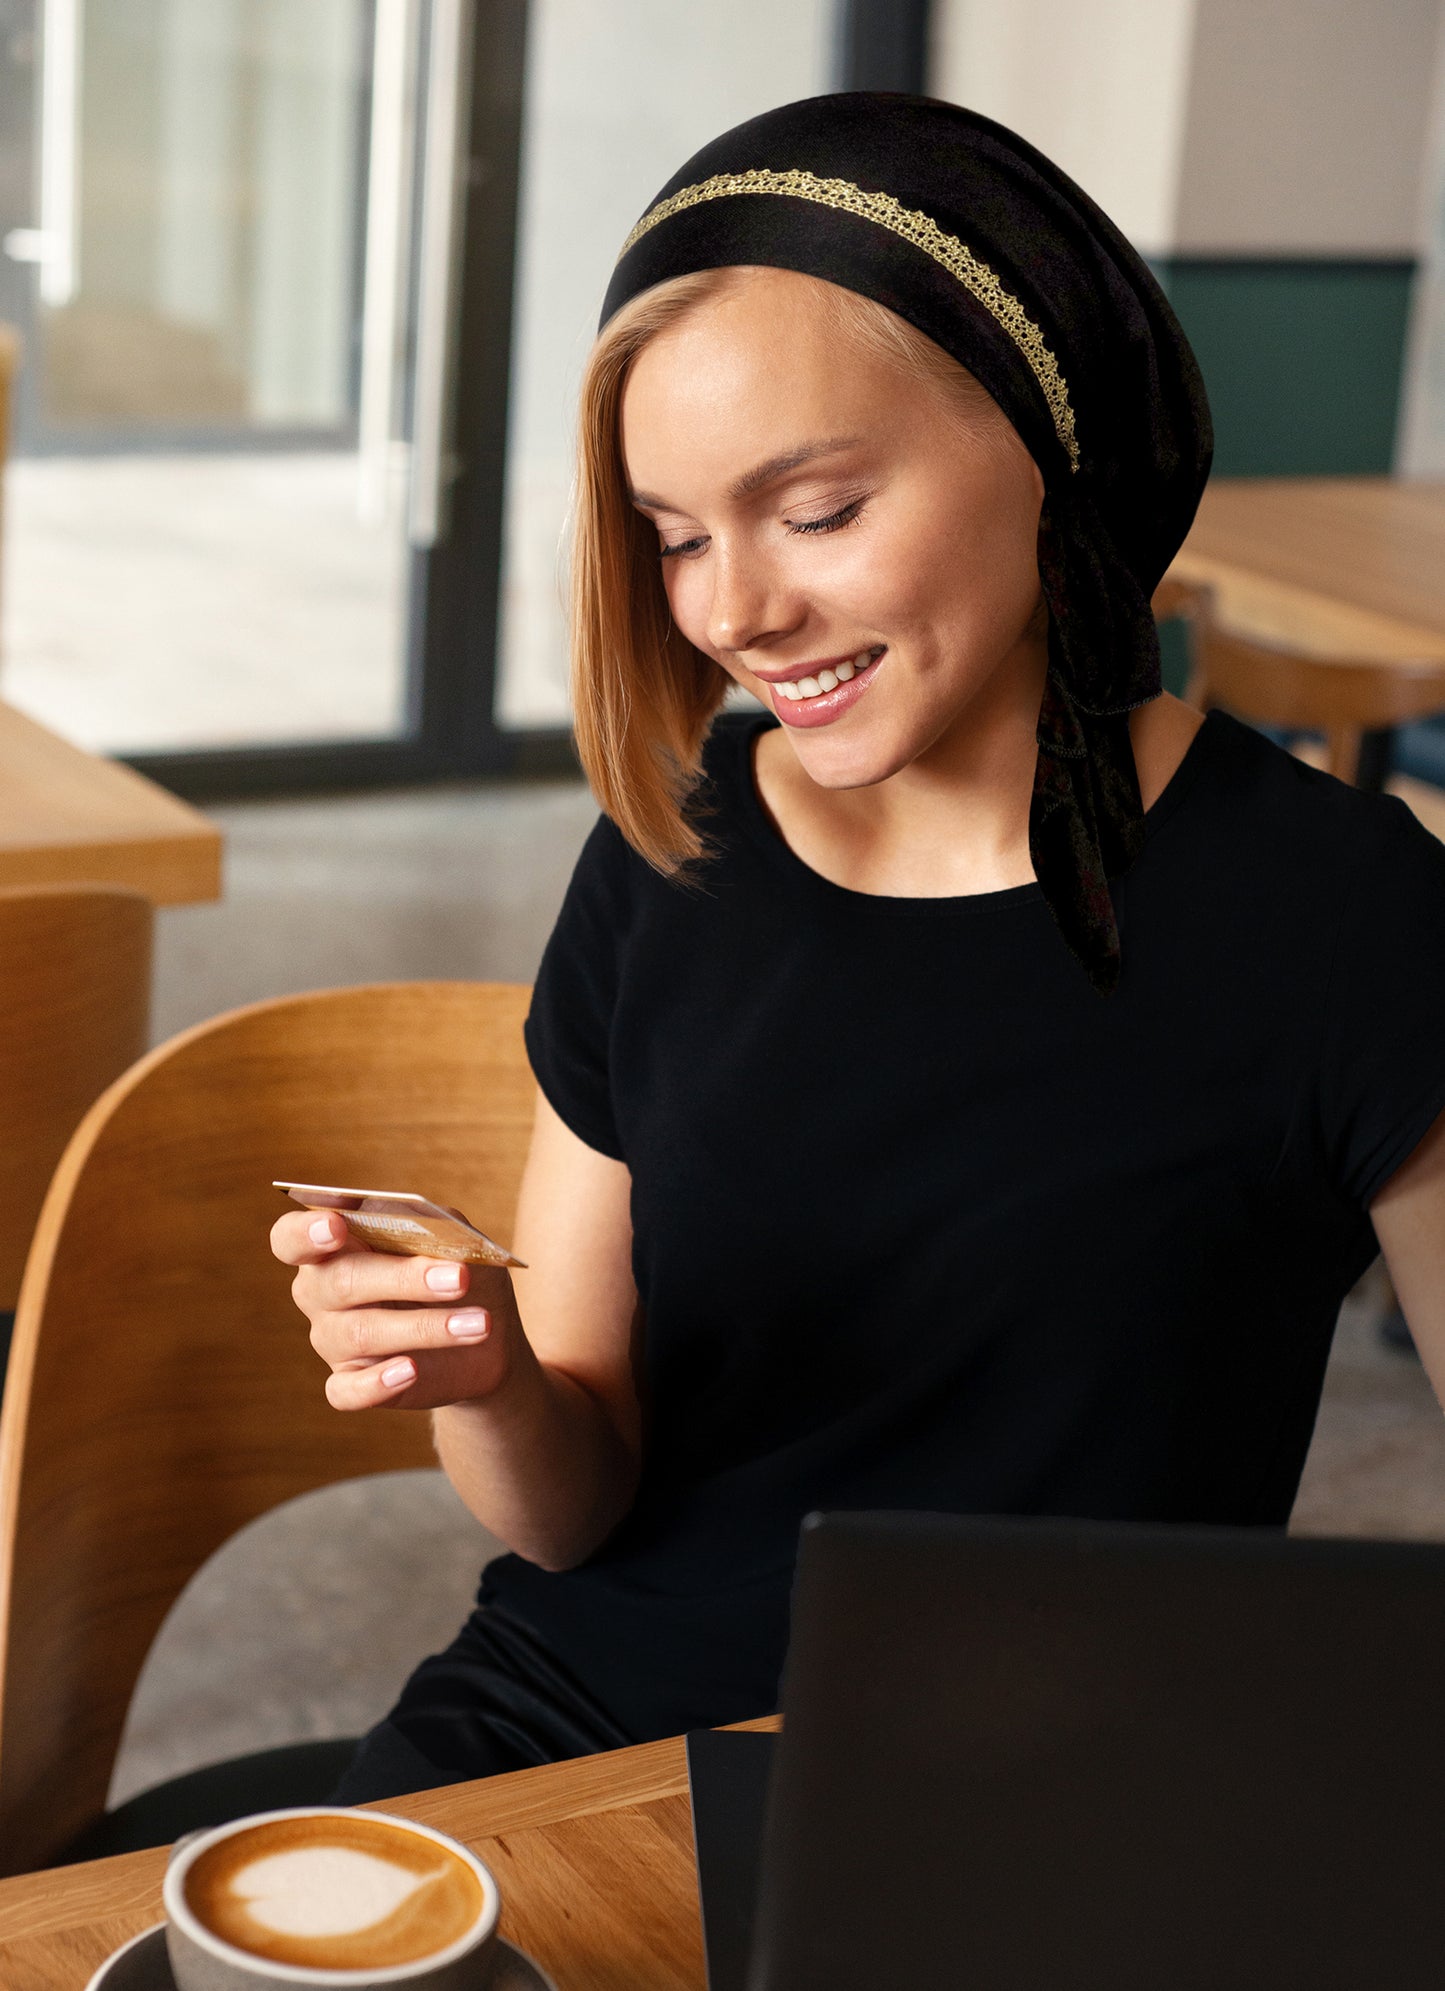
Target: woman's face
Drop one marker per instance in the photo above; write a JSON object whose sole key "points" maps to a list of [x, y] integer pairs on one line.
{"points": [[826, 521]]}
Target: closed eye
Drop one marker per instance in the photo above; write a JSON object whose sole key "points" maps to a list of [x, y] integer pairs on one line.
{"points": [[683, 546], [834, 521]]}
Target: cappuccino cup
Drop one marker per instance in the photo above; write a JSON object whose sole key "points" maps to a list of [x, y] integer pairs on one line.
{"points": [[326, 1897]]}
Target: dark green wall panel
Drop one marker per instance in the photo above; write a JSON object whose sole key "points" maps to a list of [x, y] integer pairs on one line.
{"points": [[1174, 655], [1302, 360]]}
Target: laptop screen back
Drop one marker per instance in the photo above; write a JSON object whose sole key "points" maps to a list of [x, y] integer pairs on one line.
{"points": [[1021, 1754]]}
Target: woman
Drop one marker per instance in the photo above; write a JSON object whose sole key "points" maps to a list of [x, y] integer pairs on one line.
{"points": [[971, 1083]]}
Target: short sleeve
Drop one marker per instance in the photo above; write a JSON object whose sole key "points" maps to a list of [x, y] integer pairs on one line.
{"points": [[1382, 1076], [569, 1026]]}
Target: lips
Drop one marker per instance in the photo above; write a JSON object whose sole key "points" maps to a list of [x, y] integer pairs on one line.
{"points": [[801, 708]]}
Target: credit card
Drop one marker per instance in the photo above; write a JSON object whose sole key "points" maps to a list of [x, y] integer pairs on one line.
{"points": [[406, 1225]]}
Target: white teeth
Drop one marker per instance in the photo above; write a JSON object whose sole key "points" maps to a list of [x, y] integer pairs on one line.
{"points": [[828, 679]]}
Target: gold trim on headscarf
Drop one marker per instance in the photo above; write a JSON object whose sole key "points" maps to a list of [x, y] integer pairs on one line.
{"points": [[919, 229]]}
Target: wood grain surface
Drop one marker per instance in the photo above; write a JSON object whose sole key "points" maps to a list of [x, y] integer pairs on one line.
{"points": [[1336, 566], [69, 817], [162, 1390], [594, 1860]]}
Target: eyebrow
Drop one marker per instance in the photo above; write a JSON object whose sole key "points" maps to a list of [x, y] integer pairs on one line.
{"points": [[766, 473]]}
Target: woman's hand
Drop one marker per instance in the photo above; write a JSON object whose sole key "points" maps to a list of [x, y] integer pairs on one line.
{"points": [[408, 1333], [540, 1432]]}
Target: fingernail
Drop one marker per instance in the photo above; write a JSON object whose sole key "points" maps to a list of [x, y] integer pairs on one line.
{"points": [[469, 1325], [444, 1278], [398, 1372], [320, 1231]]}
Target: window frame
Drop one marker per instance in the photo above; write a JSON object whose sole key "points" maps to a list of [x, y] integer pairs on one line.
{"points": [[451, 730]]}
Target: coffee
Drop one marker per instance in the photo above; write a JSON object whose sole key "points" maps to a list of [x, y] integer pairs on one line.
{"points": [[333, 1892]]}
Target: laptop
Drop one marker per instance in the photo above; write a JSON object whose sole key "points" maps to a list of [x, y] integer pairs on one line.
{"points": [[1063, 1756]]}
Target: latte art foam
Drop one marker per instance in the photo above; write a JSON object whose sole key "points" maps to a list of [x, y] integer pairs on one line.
{"points": [[322, 1890], [334, 1893]]}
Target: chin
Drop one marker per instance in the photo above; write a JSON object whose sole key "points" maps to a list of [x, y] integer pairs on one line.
{"points": [[833, 760]]}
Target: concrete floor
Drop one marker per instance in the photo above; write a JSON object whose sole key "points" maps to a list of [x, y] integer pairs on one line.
{"points": [[306, 1623], [407, 886]]}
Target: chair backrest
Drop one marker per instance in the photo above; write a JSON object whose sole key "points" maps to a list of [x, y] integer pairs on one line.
{"points": [[1342, 698], [75, 983], [1183, 599], [1191, 603], [162, 1388]]}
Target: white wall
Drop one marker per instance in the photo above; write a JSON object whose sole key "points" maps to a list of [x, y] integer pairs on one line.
{"points": [[1307, 127], [1099, 85], [1225, 127]]}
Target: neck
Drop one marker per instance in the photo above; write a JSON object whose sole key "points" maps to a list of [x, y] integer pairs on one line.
{"points": [[955, 821], [958, 814]]}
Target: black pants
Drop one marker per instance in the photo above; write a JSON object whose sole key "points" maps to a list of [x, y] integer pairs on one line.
{"points": [[497, 1699]]}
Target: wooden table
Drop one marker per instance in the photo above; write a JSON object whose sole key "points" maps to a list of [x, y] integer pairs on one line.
{"points": [[69, 817], [1339, 566], [594, 1860], [1351, 569]]}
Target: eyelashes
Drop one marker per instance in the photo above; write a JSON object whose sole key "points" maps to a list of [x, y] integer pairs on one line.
{"points": [[834, 522]]}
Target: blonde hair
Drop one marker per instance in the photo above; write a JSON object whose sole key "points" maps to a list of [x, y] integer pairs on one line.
{"points": [[643, 697]]}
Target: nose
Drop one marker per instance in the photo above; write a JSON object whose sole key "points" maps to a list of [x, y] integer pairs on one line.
{"points": [[748, 605]]}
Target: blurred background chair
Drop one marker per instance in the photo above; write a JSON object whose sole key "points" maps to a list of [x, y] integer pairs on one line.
{"points": [[1343, 699], [1179, 608], [163, 1390], [75, 986], [1293, 691]]}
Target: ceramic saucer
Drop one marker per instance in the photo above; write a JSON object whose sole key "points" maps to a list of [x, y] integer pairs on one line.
{"points": [[143, 1965]]}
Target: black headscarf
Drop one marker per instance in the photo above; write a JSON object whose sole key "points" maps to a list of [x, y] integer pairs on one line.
{"points": [[978, 240]]}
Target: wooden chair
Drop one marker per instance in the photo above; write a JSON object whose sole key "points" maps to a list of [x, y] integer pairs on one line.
{"points": [[1187, 602], [163, 1391], [75, 983]]}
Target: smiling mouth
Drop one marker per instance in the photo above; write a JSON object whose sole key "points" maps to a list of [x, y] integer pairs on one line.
{"points": [[795, 690]]}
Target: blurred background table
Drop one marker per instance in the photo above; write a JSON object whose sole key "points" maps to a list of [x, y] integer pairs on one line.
{"points": [[1337, 566], [1342, 569], [68, 817], [594, 1859]]}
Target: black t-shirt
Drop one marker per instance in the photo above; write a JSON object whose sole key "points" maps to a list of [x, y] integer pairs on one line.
{"points": [[921, 1221]]}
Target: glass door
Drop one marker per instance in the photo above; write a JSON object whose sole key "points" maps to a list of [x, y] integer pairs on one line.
{"points": [[238, 245]]}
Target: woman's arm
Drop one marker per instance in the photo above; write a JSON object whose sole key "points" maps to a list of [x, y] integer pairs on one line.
{"points": [[1409, 1219], [538, 1427], [549, 1460]]}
